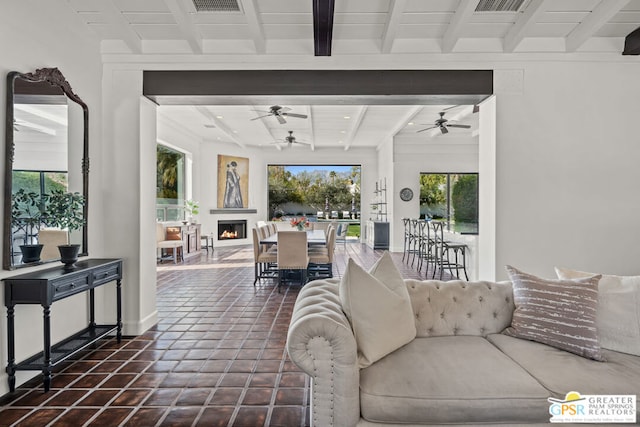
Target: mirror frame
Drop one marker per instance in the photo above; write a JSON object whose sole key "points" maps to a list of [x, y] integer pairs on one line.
{"points": [[54, 77]]}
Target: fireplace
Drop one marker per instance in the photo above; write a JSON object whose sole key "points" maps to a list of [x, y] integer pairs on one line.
{"points": [[232, 229]]}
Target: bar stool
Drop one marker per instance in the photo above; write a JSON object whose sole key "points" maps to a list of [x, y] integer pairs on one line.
{"points": [[414, 239], [444, 251], [407, 228], [427, 246]]}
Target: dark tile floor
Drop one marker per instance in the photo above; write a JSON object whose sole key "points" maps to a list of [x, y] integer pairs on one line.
{"points": [[216, 357]]}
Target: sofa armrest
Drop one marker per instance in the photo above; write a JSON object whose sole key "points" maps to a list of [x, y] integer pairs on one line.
{"points": [[321, 343]]}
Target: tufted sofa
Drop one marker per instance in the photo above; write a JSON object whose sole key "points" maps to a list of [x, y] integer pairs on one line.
{"points": [[458, 370]]}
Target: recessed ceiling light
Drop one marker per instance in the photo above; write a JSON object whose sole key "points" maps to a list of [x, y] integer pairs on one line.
{"points": [[343, 131], [235, 131], [219, 117], [410, 123], [346, 117]]}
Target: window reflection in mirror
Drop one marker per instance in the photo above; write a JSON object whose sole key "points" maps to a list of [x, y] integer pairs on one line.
{"points": [[45, 152]]}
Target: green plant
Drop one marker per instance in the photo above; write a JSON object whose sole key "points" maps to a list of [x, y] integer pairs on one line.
{"points": [[65, 210], [192, 207], [464, 198], [27, 210]]}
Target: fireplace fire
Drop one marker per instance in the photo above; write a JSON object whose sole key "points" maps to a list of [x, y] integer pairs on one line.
{"points": [[232, 229]]}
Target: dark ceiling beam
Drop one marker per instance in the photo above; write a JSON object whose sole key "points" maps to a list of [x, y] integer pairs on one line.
{"points": [[632, 43], [323, 26]]}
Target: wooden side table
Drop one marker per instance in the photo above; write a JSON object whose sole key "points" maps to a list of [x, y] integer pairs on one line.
{"points": [[44, 287]]}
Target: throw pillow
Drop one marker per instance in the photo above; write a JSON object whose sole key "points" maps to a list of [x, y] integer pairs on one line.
{"points": [[559, 313], [618, 318], [378, 307]]}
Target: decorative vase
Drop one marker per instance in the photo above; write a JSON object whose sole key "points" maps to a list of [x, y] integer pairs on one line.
{"points": [[69, 255], [31, 253]]}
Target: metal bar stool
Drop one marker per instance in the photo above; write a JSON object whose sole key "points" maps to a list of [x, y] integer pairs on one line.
{"points": [[444, 251], [407, 229]]}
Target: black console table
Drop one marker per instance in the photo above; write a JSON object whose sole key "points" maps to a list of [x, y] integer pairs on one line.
{"points": [[44, 287]]}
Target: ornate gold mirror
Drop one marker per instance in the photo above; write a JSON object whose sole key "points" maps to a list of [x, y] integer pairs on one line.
{"points": [[47, 150]]}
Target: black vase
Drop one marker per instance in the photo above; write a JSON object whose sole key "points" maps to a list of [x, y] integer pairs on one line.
{"points": [[69, 255], [31, 253]]}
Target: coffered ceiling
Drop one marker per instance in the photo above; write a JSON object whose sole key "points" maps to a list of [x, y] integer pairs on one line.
{"points": [[326, 126], [359, 26]]}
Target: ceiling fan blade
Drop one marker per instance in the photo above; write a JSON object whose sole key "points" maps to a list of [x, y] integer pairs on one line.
{"points": [[459, 126], [422, 130], [444, 129], [300, 116], [281, 119], [303, 142], [450, 108], [260, 117]]}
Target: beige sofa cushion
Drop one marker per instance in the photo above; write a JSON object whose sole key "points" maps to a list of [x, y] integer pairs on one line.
{"points": [[560, 313], [378, 308], [456, 379], [457, 307], [618, 318], [561, 372]]}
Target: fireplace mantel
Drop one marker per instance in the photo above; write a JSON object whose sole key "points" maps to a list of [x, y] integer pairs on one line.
{"points": [[232, 211]]}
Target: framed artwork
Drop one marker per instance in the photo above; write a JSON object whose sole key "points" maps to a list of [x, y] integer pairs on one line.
{"points": [[233, 182]]}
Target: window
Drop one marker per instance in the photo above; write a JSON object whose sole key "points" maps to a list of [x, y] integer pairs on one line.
{"points": [[452, 197], [314, 191], [39, 182], [170, 184]]}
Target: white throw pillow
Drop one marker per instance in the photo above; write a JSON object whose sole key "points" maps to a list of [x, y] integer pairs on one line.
{"points": [[378, 307], [618, 317]]}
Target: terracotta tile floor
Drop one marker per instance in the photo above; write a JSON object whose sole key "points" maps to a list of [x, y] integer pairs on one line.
{"points": [[216, 357]]}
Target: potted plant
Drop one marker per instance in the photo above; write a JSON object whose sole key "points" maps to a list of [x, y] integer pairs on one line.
{"points": [[192, 208], [26, 214], [65, 210]]}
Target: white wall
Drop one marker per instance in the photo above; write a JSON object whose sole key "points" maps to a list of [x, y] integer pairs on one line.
{"points": [[567, 151], [28, 42]]}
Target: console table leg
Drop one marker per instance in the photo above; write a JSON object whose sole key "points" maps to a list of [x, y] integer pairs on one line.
{"points": [[11, 348], [46, 368], [119, 309]]}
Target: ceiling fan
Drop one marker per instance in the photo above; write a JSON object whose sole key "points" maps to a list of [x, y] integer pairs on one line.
{"points": [[443, 124], [280, 113], [290, 140]]}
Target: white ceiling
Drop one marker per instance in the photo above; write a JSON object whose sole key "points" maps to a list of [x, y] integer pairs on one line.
{"points": [[327, 126], [284, 29], [360, 26]]}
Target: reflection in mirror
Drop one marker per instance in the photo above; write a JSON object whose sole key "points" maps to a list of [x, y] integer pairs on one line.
{"points": [[46, 151]]}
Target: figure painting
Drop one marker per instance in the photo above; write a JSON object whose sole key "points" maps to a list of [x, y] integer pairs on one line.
{"points": [[233, 182]]}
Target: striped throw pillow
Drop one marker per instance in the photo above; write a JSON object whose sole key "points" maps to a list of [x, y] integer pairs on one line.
{"points": [[559, 313]]}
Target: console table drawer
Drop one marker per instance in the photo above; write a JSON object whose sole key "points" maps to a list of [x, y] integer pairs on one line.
{"points": [[106, 275], [69, 287]]}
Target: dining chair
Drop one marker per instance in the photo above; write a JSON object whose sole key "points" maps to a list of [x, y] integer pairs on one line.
{"points": [[321, 259], [264, 260], [341, 233], [51, 238], [292, 255]]}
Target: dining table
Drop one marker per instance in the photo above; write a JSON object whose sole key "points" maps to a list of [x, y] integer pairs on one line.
{"points": [[314, 237]]}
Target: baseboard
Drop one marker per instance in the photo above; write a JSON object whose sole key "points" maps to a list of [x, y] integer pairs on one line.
{"points": [[140, 327]]}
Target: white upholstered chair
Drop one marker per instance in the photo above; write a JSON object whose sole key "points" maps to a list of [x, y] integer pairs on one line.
{"points": [[162, 243], [292, 255], [264, 260], [51, 238]]}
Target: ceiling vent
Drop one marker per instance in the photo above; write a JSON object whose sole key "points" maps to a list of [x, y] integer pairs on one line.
{"points": [[499, 5], [216, 5]]}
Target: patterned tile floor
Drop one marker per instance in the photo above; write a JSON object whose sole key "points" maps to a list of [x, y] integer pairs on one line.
{"points": [[216, 357]]}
